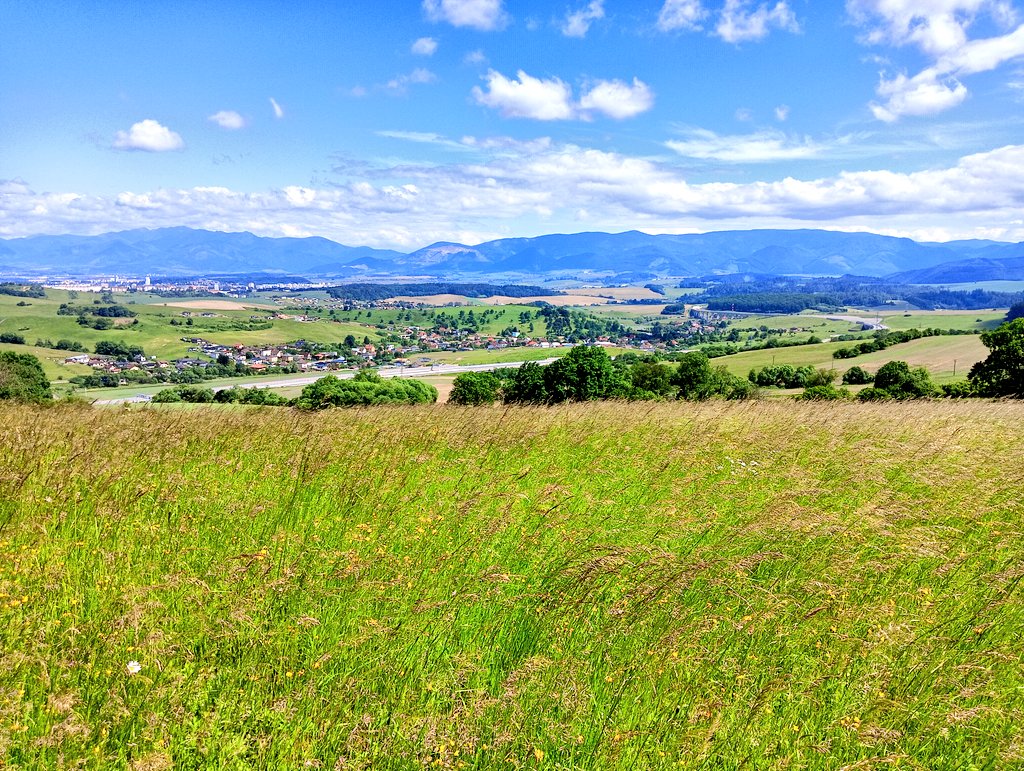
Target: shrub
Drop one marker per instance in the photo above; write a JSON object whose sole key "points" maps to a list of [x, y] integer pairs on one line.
{"points": [[12, 337], [857, 376], [22, 378], [902, 382], [365, 389], [827, 392], [474, 389]]}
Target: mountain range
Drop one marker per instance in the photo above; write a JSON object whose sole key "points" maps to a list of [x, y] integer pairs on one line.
{"points": [[180, 251]]}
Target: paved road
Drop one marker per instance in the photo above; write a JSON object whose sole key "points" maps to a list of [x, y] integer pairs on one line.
{"points": [[301, 380], [873, 324]]}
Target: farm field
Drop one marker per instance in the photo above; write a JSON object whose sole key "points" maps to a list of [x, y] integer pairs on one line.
{"points": [[938, 354], [589, 587], [979, 320]]}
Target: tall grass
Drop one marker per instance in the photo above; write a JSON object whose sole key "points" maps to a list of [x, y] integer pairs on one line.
{"points": [[597, 586]]}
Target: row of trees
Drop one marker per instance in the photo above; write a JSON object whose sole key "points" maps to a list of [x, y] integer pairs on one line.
{"points": [[885, 338], [588, 374]]}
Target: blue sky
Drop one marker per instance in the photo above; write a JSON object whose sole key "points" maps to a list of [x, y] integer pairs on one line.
{"points": [[397, 124]]}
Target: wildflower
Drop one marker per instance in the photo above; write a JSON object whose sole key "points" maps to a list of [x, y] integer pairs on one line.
{"points": [[134, 667]]}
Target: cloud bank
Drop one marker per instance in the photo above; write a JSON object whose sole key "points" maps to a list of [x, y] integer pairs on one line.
{"points": [[512, 187]]}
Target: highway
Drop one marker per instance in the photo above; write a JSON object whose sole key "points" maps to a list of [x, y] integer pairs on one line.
{"points": [[301, 380]]}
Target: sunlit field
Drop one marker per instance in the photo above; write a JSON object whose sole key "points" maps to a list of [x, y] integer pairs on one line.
{"points": [[721, 585]]}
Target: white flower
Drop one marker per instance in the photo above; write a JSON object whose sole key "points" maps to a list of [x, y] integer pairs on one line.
{"points": [[134, 667]]}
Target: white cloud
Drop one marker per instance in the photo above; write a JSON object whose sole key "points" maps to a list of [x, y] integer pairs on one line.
{"points": [[474, 57], [148, 135], [921, 95], [934, 26], [511, 186], [681, 14], [477, 14], [419, 76], [278, 110], [617, 99], [552, 99], [744, 114], [228, 119], [782, 113], [424, 46], [759, 147], [939, 29], [577, 23], [526, 97], [737, 23]]}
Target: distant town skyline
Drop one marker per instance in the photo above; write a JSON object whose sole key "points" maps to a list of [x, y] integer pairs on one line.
{"points": [[396, 124]]}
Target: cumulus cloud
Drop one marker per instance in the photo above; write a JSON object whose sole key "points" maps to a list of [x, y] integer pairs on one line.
{"points": [[759, 147], [474, 57], [424, 46], [617, 99], [526, 97], [149, 136], [513, 186], [739, 23], [939, 29], [228, 119], [923, 94], [782, 112], [577, 23], [681, 15], [552, 99], [477, 14], [278, 110]]}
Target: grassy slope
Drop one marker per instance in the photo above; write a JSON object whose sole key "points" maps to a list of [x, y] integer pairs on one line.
{"points": [[938, 354], [602, 586]]}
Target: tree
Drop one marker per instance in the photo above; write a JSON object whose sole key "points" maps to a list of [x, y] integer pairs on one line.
{"points": [[1016, 312], [1002, 372], [22, 378], [693, 376], [350, 341], [526, 385], [653, 378], [583, 374], [118, 349], [474, 388], [897, 380], [857, 376], [12, 337]]}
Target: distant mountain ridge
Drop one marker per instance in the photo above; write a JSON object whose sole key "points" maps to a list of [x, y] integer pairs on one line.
{"points": [[182, 251]]}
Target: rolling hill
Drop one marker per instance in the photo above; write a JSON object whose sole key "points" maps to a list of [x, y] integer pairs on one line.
{"points": [[186, 252]]}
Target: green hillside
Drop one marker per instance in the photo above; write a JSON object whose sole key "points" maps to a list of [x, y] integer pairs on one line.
{"points": [[604, 586]]}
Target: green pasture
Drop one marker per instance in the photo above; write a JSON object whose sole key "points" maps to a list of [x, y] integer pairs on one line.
{"points": [[599, 586]]}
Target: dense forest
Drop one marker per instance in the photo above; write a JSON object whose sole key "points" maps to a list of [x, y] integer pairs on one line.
{"points": [[791, 295]]}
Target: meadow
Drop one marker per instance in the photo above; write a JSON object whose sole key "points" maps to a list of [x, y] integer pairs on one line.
{"points": [[597, 586]]}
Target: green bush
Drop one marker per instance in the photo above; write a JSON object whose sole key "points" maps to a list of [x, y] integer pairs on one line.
{"points": [[22, 378], [364, 390], [474, 389], [857, 376]]}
